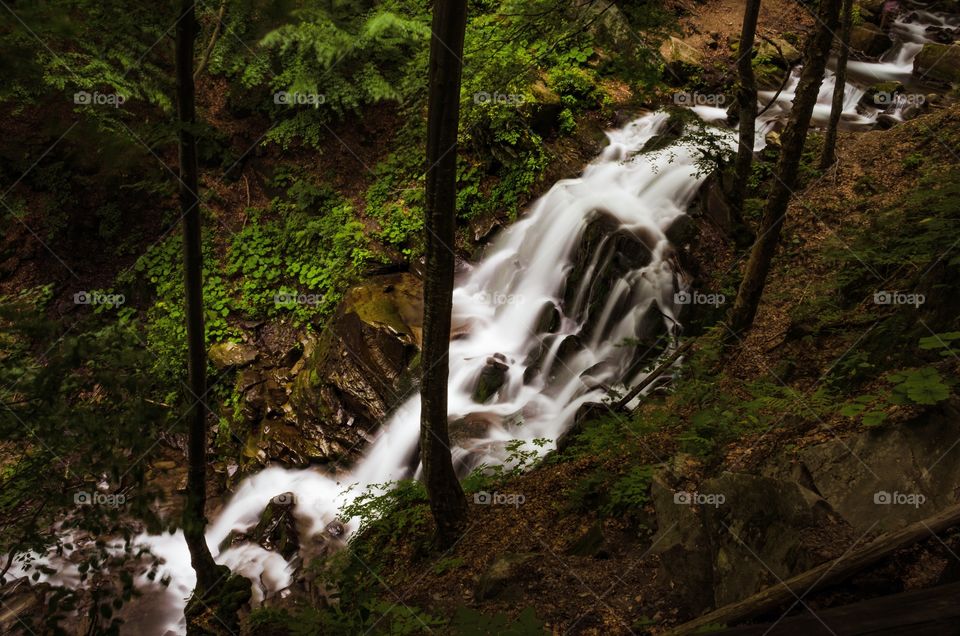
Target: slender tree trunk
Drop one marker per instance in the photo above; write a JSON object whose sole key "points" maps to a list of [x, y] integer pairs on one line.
{"points": [[830, 140], [447, 501], [747, 100], [194, 520], [793, 139]]}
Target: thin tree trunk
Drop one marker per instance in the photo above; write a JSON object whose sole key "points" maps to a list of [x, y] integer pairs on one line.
{"points": [[836, 109], [194, 520], [747, 100], [447, 501], [794, 136]]}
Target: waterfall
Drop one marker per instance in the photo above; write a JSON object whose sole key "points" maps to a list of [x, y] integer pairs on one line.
{"points": [[499, 304]]}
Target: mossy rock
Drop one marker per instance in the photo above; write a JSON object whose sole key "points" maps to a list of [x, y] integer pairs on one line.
{"points": [[881, 94], [870, 40], [504, 575], [939, 62]]}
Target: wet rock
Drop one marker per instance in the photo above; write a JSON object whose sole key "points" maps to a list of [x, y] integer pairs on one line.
{"points": [[492, 377], [607, 252], [232, 355], [881, 95], [277, 528], [360, 367], [671, 132], [292, 355], [504, 576], [870, 40], [942, 34], [886, 121], [913, 111], [711, 201], [550, 318], [938, 62], [683, 231]]}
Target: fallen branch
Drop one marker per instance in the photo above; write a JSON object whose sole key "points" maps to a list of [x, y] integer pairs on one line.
{"points": [[824, 575], [213, 41], [786, 78], [653, 375]]}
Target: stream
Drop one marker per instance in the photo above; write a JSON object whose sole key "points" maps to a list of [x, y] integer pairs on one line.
{"points": [[550, 368]]}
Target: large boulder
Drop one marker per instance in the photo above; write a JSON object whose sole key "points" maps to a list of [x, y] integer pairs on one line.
{"points": [[606, 253], [357, 371], [938, 62], [779, 51], [230, 355], [887, 478], [870, 40], [681, 61], [492, 377], [882, 94], [277, 528], [738, 534]]}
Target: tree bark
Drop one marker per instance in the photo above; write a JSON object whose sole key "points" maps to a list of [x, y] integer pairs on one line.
{"points": [[747, 100], [447, 501], [823, 575], [194, 519], [794, 136], [836, 109]]}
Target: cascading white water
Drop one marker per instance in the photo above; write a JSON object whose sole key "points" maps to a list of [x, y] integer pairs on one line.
{"points": [[908, 32], [497, 308], [497, 304]]}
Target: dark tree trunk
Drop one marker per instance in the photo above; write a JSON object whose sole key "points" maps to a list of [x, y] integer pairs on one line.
{"points": [[836, 109], [447, 501], [793, 139], [747, 101], [194, 519]]}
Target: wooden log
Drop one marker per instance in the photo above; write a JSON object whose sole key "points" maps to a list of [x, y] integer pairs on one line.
{"points": [[653, 375], [823, 575], [933, 611]]}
